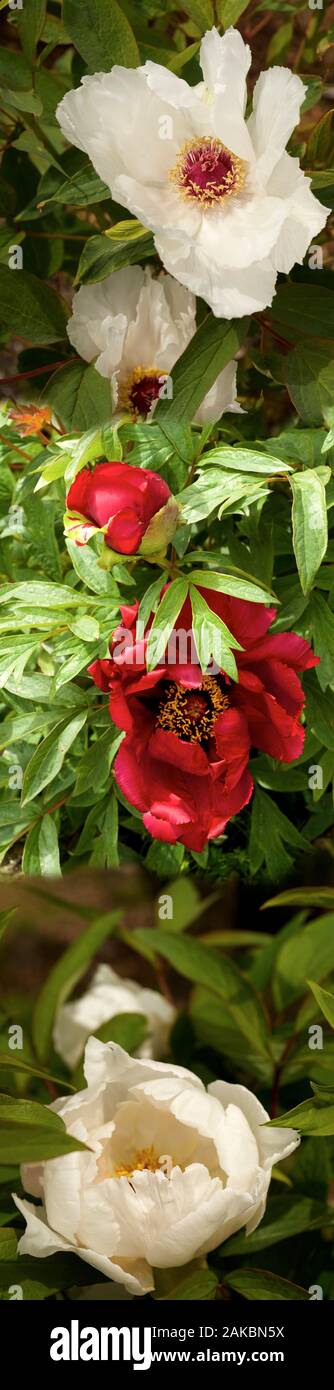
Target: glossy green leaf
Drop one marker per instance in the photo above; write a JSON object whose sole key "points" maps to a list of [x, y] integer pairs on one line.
{"points": [[65, 975]]}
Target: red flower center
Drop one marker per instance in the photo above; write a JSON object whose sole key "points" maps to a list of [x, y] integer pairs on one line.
{"points": [[191, 714], [141, 389], [207, 171]]}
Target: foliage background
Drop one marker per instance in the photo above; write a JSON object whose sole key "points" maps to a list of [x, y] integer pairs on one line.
{"points": [[249, 508]]}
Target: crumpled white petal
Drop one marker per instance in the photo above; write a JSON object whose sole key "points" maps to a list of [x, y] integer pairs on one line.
{"points": [[106, 996], [134, 125], [171, 1169], [135, 320]]}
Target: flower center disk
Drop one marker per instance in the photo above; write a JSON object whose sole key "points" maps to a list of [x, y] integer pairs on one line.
{"points": [[141, 389], [146, 1160], [207, 172], [191, 714]]}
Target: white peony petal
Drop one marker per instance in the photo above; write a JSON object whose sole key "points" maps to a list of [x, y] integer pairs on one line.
{"points": [[304, 215], [221, 397], [106, 996], [244, 231], [39, 1240], [277, 99], [273, 1144], [108, 1064], [230, 293], [225, 62]]}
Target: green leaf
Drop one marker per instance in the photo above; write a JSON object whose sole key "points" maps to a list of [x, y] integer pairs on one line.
{"points": [[261, 1285], [186, 905], [320, 143], [231, 584], [30, 1132], [43, 1278], [176, 1284], [322, 627], [48, 758], [308, 954], [31, 309], [229, 11], [215, 1027], [319, 712], [202, 12], [309, 377], [80, 396], [309, 523], [94, 768], [121, 245], [164, 620], [15, 72], [101, 33], [303, 309], [247, 460], [270, 831], [217, 488], [211, 348], [207, 967], [284, 1218], [65, 976], [30, 24], [310, 1117], [212, 638], [41, 850], [73, 182], [324, 999], [86, 565], [9, 1060]]}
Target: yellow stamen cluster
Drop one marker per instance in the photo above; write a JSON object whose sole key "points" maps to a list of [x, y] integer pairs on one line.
{"points": [[213, 192], [176, 716], [144, 1160], [127, 388]]}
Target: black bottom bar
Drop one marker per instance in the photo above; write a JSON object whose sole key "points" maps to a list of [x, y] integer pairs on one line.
{"points": [[164, 1339]]}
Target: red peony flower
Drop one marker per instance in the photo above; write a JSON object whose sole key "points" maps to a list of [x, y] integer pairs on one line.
{"points": [[132, 507], [183, 762]]}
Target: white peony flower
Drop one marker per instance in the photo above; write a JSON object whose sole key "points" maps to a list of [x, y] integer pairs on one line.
{"points": [[227, 206], [106, 996], [136, 325], [174, 1169]]}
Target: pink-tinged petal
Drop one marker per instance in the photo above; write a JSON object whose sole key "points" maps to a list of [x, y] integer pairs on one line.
{"points": [[173, 808], [271, 728], [129, 613], [249, 681], [282, 682], [146, 682], [231, 804], [189, 757], [196, 835], [160, 829], [101, 672], [233, 744], [189, 676], [120, 712], [282, 646], [129, 775], [125, 531], [78, 496]]}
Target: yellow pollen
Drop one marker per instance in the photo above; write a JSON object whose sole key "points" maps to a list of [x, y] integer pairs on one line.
{"points": [[140, 389], [145, 1160], [192, 181], [181, 713]]}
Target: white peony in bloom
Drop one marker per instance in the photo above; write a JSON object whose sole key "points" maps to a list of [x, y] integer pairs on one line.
{"points": [[106, 996], [173, 1169], [227, 206], [136, 325]]}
